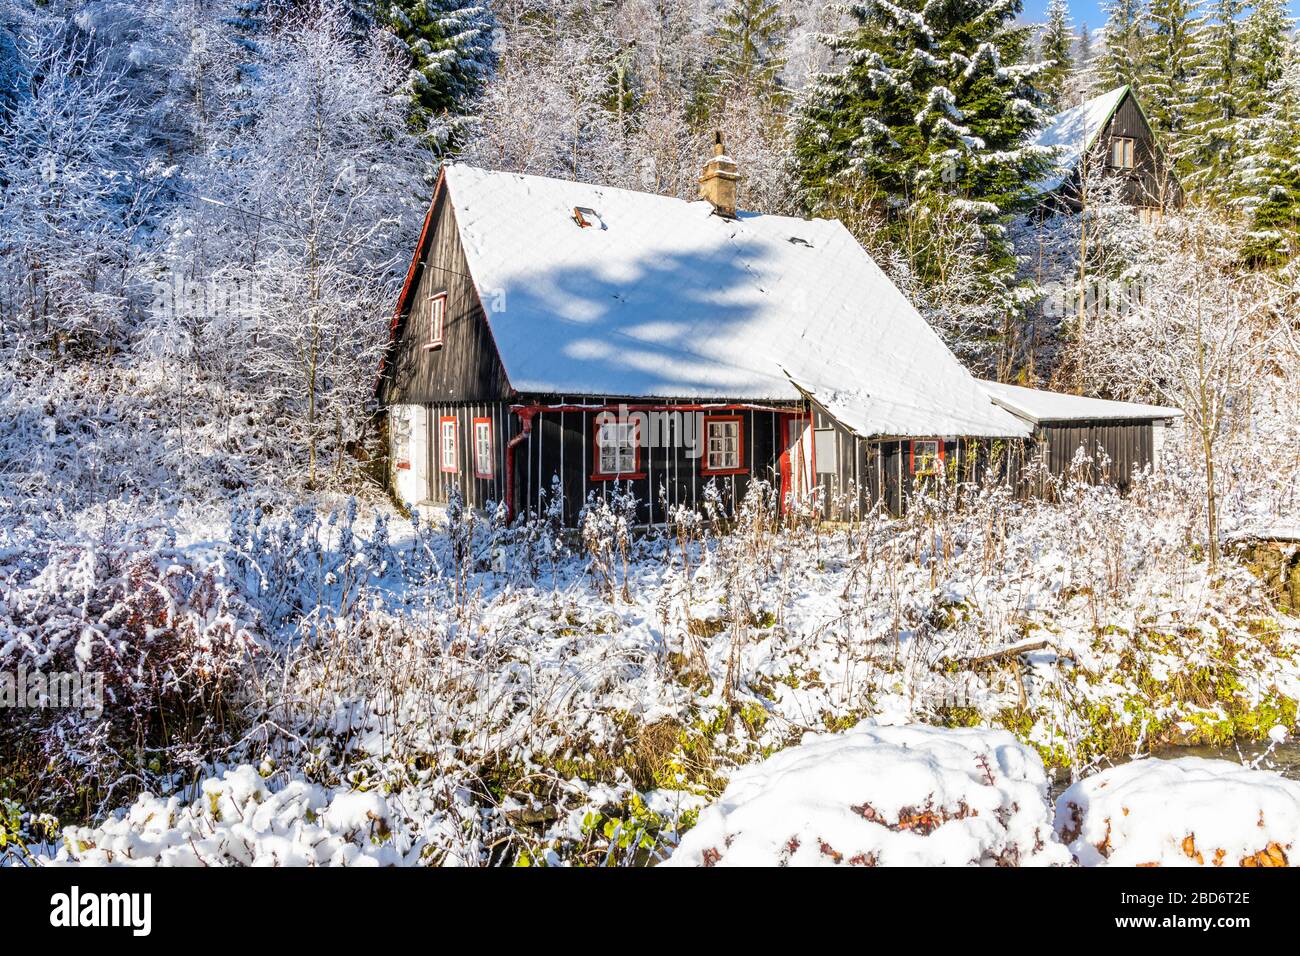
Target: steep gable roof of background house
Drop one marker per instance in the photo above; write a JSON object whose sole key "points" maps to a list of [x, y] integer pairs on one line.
{"points": [[658, 297], [1072, 133]]}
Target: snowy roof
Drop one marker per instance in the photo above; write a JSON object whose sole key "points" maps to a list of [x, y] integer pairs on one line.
{"points": [[1073, 132], [1037, 405], [665, 299]]}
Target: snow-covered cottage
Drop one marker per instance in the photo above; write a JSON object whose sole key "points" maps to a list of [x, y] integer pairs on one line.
{"points": [[560, 331], [1109, 134]]}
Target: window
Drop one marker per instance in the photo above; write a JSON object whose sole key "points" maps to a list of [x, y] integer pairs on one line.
{"points": [[437, 319], [927, 456], [618, 449], [483, 448], [447, 444], [724, 449], [1121, 152]]}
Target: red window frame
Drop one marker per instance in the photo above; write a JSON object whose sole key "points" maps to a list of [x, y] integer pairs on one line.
{"points": [[596, 473], [437, 320], [454, 467], [740, 469], [491, 469], [937, 442]]}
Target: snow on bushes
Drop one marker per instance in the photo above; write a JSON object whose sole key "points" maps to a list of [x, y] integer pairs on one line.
{"points": [[883, 796], [1185, 812], [238, 821], [155, 636]]}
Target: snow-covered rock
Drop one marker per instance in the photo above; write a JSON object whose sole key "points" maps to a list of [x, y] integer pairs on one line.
{"points": [[888, 796], [1185, 812], [239, 821]]}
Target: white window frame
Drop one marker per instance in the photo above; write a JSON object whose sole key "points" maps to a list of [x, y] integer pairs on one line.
{"points": [[718, 458], [437, 320], [448, 462], [483, 457], [935, 458], [623, 454]]}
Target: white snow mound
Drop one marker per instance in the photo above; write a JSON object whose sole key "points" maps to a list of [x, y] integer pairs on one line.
{"points": [[1185, 812], [889, 796], [238, 821]]}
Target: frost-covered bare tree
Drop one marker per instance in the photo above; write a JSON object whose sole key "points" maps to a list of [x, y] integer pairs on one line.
{"points": [[311, 207], [73, 169], [1199, 335]]}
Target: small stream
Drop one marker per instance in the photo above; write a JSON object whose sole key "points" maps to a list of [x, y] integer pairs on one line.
{"points": [[1285, 759]]}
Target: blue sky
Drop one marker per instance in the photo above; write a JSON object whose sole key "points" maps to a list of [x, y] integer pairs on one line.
{"points": [[1089, 11]]}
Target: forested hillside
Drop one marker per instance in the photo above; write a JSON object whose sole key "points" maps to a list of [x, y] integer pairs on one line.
{"points": [[207, 209]]}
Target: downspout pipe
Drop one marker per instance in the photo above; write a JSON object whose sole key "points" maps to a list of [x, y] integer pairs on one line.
{"points": [[525, 430]]}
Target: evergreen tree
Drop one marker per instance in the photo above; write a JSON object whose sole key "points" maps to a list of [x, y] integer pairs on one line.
{"points": [[750, 42], [450, 45], [929, 122], [1056, 46], [1120, 60], [1209, 151], [1264, 49], [1082, 81], [1270, 173], [1167, 87]]}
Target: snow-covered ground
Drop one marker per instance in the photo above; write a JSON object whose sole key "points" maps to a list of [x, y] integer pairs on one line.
{"points": [[519, 695]]}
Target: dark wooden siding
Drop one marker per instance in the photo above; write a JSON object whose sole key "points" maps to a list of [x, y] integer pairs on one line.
{"points": [[480, 493], [1150, 183], [1128, 444], [562, 443], [467, 368]]}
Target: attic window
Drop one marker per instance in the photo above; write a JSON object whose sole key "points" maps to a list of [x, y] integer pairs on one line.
{"points": [[437, 319], [796, 241], [1121, 152], [585, 216]]}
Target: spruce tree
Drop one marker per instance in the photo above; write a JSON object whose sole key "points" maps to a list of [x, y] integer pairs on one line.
{"points": [[1167, 87], [929, 120], [1264, 52], [1269, 177], [1056, 46], [1209, 151], [1272, 169], [750, 41], [450, 45], [1120, 60]]}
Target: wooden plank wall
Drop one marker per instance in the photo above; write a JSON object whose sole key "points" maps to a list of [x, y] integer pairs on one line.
{"points": [[562, 443], [1128, 443], [467, 367], [481, 493]]}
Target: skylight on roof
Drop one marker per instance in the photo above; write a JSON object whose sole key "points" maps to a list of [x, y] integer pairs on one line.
{"points": [[585, 216]]}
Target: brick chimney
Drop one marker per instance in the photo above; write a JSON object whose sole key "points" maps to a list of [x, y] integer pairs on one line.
{"points": [[718, 181]]}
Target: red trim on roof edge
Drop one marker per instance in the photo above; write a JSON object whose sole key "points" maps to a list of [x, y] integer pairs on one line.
{"points": [[409, 284]]}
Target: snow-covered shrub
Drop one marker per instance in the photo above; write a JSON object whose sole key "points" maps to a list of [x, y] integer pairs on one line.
{"points": [[1185, 812], [164, 634], [882, 796], [237, 820], [605, 525]]}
